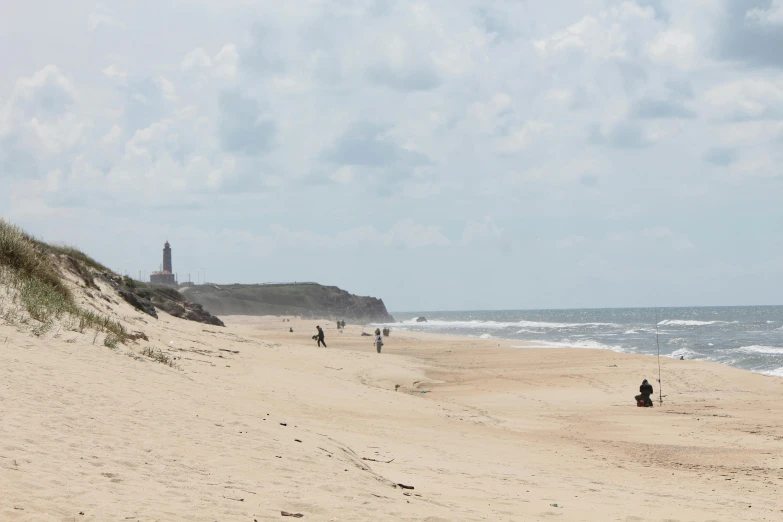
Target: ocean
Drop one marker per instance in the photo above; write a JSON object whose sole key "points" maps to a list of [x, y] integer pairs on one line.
{"points": [[747, 337]]}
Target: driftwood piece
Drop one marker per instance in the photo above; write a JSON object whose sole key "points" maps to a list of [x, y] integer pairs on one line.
{"points": [[381, 461], [287, 514], [403, 486]]}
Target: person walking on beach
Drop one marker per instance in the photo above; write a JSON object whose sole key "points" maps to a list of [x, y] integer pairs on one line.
{"points": [[378, 340], [321, 337], [645, 390]]}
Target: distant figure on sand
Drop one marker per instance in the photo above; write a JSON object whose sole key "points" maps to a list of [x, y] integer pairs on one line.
{"points": [[378, 340], [291, 330], [643, 399], [338, 325], [321, 338]]}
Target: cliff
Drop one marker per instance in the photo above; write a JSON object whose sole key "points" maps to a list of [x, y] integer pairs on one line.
{"points": [[308, 300], [147, 297]]}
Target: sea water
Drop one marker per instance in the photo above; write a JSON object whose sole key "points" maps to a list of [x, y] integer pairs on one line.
{"points": [[748, 337]]}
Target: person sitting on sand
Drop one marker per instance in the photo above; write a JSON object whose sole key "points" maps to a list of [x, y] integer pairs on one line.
{"points": [[378, 340], [320, 337], [645, 390]]}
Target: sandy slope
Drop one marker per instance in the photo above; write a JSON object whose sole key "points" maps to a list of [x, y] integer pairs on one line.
{"points": [[501, 434]]}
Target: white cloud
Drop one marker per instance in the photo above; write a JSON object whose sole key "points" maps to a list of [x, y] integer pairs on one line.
{"points": [[675, 47], [226, 61], [113, 135], [416, 119], [603, 36], [168, 89], [771, 16], [112, 71], [38, 117], [344, 175], [572, 242], [196, 59], [748, 98], [657, 236], [290, 84], [48, 87], [489, 113], [562, 97], [485, 233], [403, 234], [103, 17], [223, 65], [408, 234], [522, 137]]}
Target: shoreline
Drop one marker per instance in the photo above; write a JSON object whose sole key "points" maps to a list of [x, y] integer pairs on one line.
{"points": [[256, 413], [591, 344]]}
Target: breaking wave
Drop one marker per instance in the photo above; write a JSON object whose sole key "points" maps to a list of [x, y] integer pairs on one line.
{"points": [[766, 350], [582, 343], [686, 322], [746, 337], [683, 352], [490, 325]]}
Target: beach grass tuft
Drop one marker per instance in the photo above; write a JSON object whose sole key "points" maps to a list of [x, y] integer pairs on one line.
{"points": [[37, 291], [159, 356], [21, 255]]}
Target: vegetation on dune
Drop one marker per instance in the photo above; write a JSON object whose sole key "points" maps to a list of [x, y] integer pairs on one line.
{"points": [[72, 252], [22, 255], [37, 291], [159, 356]]}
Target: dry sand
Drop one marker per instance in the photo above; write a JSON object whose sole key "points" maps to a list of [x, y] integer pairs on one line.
{"points": [[256, 420]]}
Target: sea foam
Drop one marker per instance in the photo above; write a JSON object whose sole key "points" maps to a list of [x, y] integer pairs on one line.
{"points": [[766, 350], [686, 322], [490, 325], [581, 343]]}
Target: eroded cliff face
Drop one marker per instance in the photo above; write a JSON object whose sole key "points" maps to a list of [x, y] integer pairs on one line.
{"points": [[306, 300], [146, 298]]}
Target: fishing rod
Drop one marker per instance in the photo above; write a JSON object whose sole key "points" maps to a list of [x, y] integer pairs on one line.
{"points": [[658, 345]]}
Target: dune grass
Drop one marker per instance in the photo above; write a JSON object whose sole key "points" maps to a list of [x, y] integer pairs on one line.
{"points": [[159, 356], [21, 255], [36, 286], [74, 253]]}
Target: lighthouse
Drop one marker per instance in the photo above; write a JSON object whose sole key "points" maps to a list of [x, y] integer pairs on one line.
{"points": [[165, 276], [167, 258]]}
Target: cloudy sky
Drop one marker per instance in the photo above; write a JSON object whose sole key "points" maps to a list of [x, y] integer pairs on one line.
{"points": [[449, 154]]}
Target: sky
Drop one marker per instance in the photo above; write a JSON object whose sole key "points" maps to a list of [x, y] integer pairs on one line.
{"points": [[441, 155]]}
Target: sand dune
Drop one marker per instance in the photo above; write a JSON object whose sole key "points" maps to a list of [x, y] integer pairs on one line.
{"points": [[254, 420]]}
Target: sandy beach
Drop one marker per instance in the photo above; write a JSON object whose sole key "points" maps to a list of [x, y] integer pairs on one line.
{"points": [[254, 420]]}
